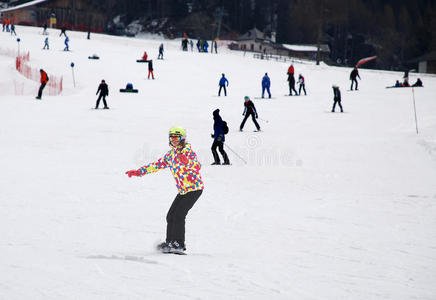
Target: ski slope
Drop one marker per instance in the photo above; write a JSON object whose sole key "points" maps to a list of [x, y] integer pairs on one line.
{"points": [[328, 206]]}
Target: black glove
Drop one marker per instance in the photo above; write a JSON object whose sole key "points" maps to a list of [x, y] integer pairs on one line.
{"points": [[256, 116], [212, 136]]}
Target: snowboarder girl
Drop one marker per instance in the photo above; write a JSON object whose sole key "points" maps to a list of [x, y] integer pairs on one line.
{"points": [[184, 166]]}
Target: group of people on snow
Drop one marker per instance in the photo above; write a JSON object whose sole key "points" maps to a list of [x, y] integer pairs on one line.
{"points": [[181, 158]]}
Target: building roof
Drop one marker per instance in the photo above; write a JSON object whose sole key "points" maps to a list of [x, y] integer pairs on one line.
{"points": [[252, 35], [24, 5], [305, 48]]}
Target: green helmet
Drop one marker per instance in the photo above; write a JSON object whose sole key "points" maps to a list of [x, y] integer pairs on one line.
{"points": [[246, 98], [176, 130]]}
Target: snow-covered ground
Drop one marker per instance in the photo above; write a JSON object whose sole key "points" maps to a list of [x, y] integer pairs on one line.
{"points": [[329, 206]]}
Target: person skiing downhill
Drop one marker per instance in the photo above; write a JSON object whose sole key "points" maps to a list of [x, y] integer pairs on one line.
{"points": [[67, 47], [353, 77], [104, 91], [150, 69], [336, 98], [218, 139], [266, 83], [44, 81], [222, 84], [46, 44], [302, 84], [249, 110], [161, 51], [183, 163]]}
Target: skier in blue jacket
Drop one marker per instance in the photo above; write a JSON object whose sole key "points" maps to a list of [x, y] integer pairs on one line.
{"points": [[222, 84], [67, 47], [266, 83], [218, 139]]}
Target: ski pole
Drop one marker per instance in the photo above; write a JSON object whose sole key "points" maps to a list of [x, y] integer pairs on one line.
{"points": [[236, 154], [414, 107]]}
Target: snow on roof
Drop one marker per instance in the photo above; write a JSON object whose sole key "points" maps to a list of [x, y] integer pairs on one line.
{"points": [[30, 3], [306, 48], [300, 47], [252, 35]]}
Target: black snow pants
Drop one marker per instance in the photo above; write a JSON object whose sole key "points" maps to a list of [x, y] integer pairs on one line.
{"points": [[177, 214], [352, 83], [220, 146], [334, 105], [245, 119], [41, 88], [98, 100], [219, 91]]}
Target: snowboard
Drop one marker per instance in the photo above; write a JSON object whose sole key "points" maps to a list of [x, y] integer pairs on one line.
{"points": [[128, 91]]}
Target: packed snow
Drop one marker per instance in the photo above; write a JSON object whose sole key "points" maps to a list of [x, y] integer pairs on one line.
{"points": [[328, 206]]}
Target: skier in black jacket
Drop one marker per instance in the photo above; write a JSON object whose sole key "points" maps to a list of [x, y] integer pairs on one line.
{"points": [[218, 139], [291, 80], [336, 98], [249, 110], [353, 75], [104, 91]]}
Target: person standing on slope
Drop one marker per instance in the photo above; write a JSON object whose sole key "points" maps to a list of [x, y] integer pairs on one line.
{"points": [[145, 56], [353, 77], [150, 69], [291, 80], [44, 80], [222, 84], [67, 47], [104, 91], [218, 139], [302, 85], [336, 98], [249, 110], [266, 83], [183, 164], [46, 44], [161, 51]]}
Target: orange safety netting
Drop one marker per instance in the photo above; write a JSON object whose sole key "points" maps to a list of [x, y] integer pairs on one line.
{"points": [[54, 84]]}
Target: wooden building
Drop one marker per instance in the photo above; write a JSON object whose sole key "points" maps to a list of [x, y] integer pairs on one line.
{"points": [[73, 14], [425, 63], [256, 41]]}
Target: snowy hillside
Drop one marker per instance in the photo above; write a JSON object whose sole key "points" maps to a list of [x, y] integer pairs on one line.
{"points": [[329, 205]]}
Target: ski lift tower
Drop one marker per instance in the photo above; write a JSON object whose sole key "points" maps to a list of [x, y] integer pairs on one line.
{"points": [[219, 14]]}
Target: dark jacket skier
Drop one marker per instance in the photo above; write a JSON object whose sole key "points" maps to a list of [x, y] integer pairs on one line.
{"points": [[336, 98], [353, 77], [104, 91], [249, 110], [161, 51], [291, 80], [218, 139], [150, 69]]}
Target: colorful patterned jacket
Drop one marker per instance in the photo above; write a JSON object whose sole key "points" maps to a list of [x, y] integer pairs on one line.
{"points": [[187, 175]]}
